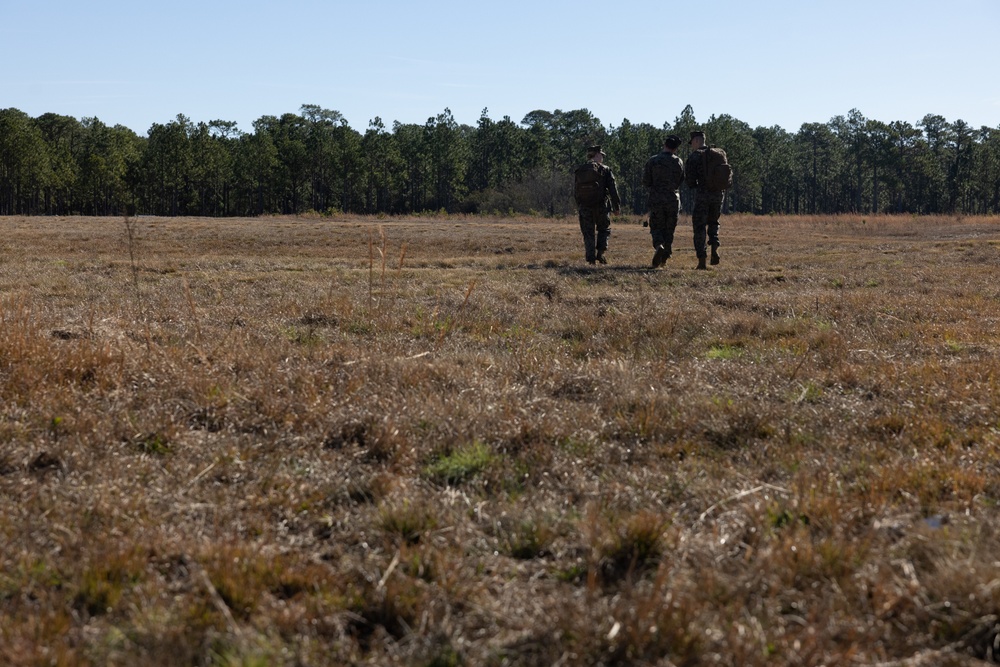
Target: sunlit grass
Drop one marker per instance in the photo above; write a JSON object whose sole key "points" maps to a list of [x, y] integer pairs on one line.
{"points": [[450, 441]]}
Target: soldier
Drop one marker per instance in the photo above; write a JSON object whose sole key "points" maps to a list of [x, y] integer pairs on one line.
{"points": [[595, 193], [662, 176], [707, 202]]}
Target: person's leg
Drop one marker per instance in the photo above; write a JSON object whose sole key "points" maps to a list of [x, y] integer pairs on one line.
{"points": [[587, 228], [657, 224], [712, 229], [603, 224], [658, 233], [699, 220], [670, 224]]}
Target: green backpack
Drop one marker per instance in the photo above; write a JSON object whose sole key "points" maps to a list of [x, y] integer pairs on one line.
{"points": [[588, 186], [718, 173]]}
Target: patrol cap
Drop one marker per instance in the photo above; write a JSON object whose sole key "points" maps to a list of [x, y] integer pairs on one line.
{"points": [[672, 141], [697, 133], [594, 150]]}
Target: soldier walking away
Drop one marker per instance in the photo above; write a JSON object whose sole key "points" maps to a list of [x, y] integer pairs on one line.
{"points": [[596, 194], [708, 173], [662, 176]]}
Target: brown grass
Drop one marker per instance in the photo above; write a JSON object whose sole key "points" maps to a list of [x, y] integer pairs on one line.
{"points": [[448, 441]]}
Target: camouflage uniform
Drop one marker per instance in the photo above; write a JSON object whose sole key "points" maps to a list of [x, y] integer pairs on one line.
{"points": [[663, 175], [595, 221], [707, 205]]}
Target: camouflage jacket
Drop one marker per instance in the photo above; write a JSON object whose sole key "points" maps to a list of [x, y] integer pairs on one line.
{"points": [[663, 175], [610, 187]]}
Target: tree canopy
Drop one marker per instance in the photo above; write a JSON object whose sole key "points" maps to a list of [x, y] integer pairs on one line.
{"points": [[314, 161]]}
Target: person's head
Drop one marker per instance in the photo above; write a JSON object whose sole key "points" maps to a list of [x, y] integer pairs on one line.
{"points": [[697, 140], [596, 154], [671, 143]]}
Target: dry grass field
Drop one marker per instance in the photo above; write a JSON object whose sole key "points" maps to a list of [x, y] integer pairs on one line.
{"points": [[447, 441]]}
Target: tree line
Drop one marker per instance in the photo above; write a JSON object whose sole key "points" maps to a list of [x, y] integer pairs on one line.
{"points": [[314, 161]]}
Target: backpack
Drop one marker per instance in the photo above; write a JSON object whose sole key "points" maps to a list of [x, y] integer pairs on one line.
{"points": [[718, 173], [588, 186]]}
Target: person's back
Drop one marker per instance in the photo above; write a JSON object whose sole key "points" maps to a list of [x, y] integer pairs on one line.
{"points": [[663, 176], [588, 184]]}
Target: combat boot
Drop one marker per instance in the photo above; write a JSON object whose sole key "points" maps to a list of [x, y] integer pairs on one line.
{"points": [[601, 258], [715, 254], [661, 257], [701, 264]]}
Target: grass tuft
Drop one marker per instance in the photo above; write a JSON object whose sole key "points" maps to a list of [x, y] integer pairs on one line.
{"points": [[462, 464]]}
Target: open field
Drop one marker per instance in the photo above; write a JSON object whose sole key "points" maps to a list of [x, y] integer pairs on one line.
{"points": [[448, 441]]}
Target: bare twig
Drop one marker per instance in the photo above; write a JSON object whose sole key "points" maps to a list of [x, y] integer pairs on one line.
{"points": [[388, 572], [742, 494], [216, 598]]}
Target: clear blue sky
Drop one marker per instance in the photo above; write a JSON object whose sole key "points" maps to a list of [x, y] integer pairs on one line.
{"points": [[765, 62]]}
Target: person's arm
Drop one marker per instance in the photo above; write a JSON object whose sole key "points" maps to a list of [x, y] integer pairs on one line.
{"points": [[691, 170], [616, 203]]}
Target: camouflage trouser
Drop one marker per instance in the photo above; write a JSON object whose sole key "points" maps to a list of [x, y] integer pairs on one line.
{"points": [[595, 223], [663, 222], [705, 218]]}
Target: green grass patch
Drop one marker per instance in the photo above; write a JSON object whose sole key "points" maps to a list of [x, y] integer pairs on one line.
{"points": [[461, 464]]}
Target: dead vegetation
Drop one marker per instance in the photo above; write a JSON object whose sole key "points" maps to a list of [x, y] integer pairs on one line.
{"points": [[448, 441]]}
